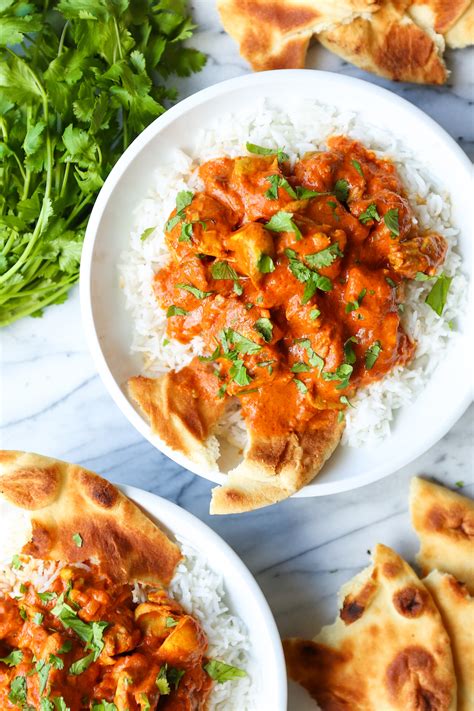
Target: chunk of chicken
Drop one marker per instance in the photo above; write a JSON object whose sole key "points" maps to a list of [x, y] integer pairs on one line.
{"points": [[423, 253], [185, 644], [249, 245]]}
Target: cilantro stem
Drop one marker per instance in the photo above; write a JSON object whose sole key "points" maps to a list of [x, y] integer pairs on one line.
{"points": [[38, 305]]}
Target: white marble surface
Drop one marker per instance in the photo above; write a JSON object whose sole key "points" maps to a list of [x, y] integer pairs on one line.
{"points": [[300, 551]]}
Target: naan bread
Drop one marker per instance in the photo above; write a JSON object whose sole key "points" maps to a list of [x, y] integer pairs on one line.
{"points": [[65, 499], [183, 409], [439, 15], [274, 34], [457, 610], [275, 468], [461, 34], [388, 649], [444, 522], [391, 45]]}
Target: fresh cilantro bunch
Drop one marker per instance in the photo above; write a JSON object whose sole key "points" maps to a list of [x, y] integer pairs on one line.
{"points": [[79, 79]]}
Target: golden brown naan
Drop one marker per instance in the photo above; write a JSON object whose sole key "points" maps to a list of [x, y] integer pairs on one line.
{"points": [[387, 650], [390, 44], [461, 34], [273, 469], [274, 34], [457, 610], [440, 15], [65, 499], [183, 410], [444, 522]]}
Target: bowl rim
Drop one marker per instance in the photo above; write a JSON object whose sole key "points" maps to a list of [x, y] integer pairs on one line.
{"points": [[166, 512], [92, 338]]}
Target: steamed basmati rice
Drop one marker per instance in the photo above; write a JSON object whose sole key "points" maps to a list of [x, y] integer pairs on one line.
{"points": [[195, 585], [303, 127]]}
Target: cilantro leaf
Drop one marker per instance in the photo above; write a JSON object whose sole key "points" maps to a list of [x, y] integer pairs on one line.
{"points": [[371, 354], [370, 213], [241, 343], [13, 659], [341, 190], [80, 665], [223, 270], [175, 311], [265, 328], [325, 257], [265, 264], [283, 222], [354, 305], [439, 293], [238, 373], [342, 373], [221, 672], [260, 150], [194, 291], [358, 167], [17, 693], [278, 181], [301, 386], [77, 538], [391, 220]]}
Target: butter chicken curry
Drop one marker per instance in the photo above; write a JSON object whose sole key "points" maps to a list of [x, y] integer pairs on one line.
{"points": [[293, 277]]}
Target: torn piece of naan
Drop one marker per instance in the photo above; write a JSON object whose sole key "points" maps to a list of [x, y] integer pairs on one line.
{"points": [[276, 467], [391, 44], [183, 408], [387, 650], [457, 610], [439, 15], [274, 34], [76, 516], [461, 34], [444, 523]]}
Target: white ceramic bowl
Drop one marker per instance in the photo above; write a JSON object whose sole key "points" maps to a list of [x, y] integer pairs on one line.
{"points": [[243, 596], [108, 325]]}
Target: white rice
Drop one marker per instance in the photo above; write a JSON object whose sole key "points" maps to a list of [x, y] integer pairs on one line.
{"points": [[304, 127], [196, 586]]}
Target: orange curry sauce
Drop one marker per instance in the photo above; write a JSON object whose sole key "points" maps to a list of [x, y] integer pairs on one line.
{"points": [[293, 278], [85, 644]]}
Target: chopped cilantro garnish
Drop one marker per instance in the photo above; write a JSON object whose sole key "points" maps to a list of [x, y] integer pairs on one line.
{"points": [[238, 373], [241, 344], [260, 150], [265, 328], [170, 622], [13, 658], [221, 672], [314, 359], [278, 181], [358, 167], [391, 282], [391, 220], [325, 257], [16, 562], [300, 368], [265, 264], [198, 293], [419, 276], [372, 354], [17, 694], [77, 538], [349, 350], [80, 665], [341, 190], [222, 390], [301, 386], [354, 305], [314, 314], [183, 199], [175, 311], [283, 222], [312, 279], [214, 356], [342, 373], [38, 618], [345, 401], [439, 293], [146, 233], [370, 213]]}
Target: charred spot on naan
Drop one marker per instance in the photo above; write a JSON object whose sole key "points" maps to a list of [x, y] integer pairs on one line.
{"points": [[79, 516], [410, 663], [444, 522]]}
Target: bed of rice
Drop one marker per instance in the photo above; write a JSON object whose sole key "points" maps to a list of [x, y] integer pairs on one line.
{"points": [[303, 127], [195, 585]]}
